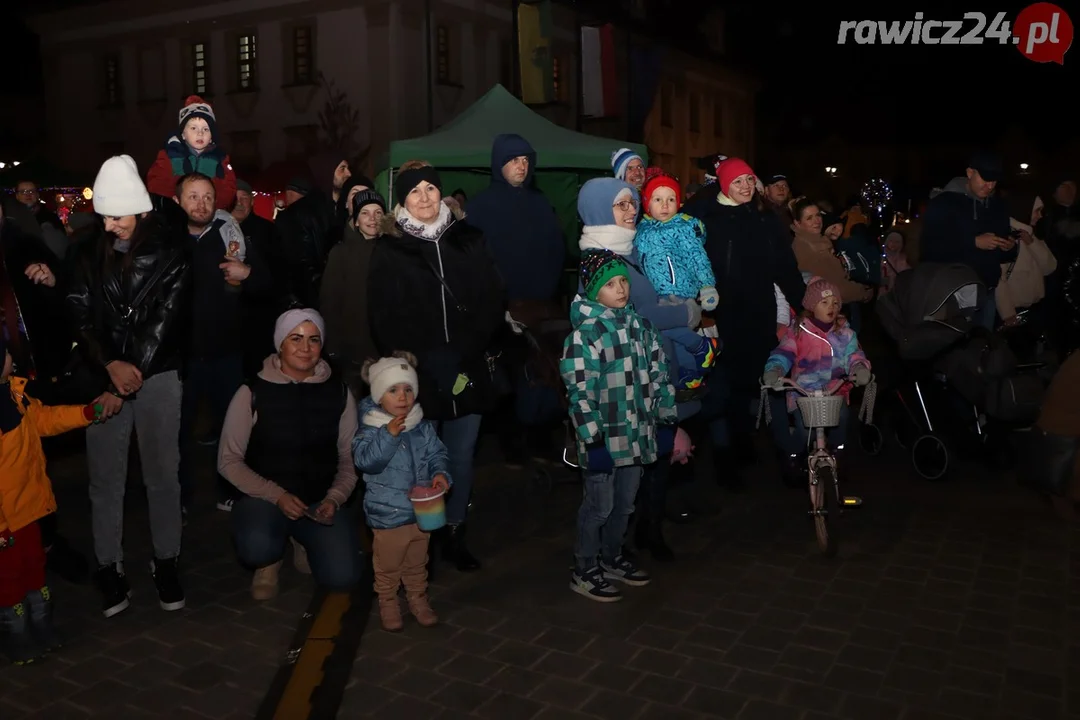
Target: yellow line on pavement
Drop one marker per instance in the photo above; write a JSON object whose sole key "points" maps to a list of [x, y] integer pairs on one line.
{"points": [[295, 702]]}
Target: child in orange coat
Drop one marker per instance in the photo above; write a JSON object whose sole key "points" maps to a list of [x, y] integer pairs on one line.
{"points": [[194, 148], [26, 629]]}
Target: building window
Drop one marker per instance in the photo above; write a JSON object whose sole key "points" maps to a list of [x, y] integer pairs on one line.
{"points": [[200, 69], [667, 100], [245, 62], [718, 119], [303, 73], [114, 92], [695, 113], [442, 54]]}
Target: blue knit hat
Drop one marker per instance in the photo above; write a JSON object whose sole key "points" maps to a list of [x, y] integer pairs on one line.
{"points": [[596, 200], [620, 159]]}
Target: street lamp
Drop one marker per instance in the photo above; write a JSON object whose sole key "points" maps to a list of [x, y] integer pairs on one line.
{"points": [[830, 170], [1023, 168]]}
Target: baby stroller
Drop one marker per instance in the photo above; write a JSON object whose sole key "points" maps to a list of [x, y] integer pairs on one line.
{"points": [[957, 376]]}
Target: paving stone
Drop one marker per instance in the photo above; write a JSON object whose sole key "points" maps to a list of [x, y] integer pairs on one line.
{"points": [[931, 612], [509, 707], [563, 693]]}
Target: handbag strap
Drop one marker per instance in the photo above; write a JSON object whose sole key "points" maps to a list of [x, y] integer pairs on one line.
{"points": [[442, 281]]}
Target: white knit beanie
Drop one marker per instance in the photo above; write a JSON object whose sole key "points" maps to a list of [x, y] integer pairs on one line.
{"points": [[387, 372], [292, 319], [118, 189]]}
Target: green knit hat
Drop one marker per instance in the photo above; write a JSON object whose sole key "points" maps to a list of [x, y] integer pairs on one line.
{"points": [[599, 266]]}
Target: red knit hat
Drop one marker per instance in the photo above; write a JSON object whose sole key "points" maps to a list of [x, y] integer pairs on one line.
{"points": [[657, 182], [728, 170]]}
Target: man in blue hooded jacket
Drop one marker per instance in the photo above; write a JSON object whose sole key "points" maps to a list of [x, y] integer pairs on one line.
{"points": [[523, 234], [519, 224]]}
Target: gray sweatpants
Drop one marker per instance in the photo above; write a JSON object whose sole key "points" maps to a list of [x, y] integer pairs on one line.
{"points": [[154, 413]]}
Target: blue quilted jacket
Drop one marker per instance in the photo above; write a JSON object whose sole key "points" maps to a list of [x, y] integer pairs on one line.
{"points": [[673, 255], [392, 466]]}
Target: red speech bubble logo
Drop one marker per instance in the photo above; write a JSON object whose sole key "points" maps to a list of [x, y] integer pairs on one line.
{"points": [[1043, 32]]}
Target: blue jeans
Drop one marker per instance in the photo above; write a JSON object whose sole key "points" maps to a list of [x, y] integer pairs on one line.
{"points": [[686, 341], [260, 531], [835, 436], [780, 427], [217, 379], [459, 436], [987, 315], [604, 515]]}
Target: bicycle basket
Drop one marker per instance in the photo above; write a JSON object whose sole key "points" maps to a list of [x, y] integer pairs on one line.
{"points": [[823, 412]]}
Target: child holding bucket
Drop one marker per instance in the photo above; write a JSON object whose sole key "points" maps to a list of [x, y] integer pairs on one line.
{"points": [[405, 475]]}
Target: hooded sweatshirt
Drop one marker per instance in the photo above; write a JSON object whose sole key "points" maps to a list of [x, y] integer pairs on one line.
{"points": [[236, 432], [520, 226], [954, 218]]}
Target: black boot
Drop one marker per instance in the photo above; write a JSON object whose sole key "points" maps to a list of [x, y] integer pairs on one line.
{"points": [[793, 471], [728, 470], [649, 536], [39, 607], [459, 553], [16, 640], [67, 562]]}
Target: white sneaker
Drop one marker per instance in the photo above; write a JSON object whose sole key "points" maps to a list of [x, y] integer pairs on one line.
{"points": [[225, 506]]}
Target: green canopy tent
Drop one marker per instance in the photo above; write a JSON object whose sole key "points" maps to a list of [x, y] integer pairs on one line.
{"points": [[461, 150]]}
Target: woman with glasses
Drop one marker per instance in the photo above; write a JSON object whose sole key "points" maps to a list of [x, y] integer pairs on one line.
{"points": [[609, 209]]}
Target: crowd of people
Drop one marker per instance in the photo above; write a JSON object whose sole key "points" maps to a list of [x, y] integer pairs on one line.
{"points": [[348, 351]]}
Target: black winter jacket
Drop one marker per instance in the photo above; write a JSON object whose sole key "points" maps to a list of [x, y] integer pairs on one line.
{"points": [[109, 323], [450, 328], [308, 229], [750, 252]]}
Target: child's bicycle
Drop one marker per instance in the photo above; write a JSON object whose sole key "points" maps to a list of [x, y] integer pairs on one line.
{"points": [[820, 410]]}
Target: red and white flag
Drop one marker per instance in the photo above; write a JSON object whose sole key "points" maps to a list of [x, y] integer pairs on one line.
{"points": [[599, 92]]}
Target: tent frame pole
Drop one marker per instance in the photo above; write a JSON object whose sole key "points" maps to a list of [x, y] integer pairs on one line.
{"points": [[430, 72]]}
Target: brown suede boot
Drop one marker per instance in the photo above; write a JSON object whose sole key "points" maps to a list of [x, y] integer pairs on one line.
{"points": [[390, 614], [264, 584], [421, 610]]}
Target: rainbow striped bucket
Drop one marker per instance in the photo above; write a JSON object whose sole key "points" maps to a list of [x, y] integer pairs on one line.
{"points": [[429, 506]]}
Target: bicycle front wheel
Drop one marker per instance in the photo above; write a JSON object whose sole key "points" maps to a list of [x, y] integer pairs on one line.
{"points": [[820, 494]]}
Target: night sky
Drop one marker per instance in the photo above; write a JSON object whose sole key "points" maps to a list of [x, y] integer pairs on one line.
{"points": [[812, 87], [910, 93]]}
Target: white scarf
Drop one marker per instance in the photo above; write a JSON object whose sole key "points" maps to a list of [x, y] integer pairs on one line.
{"points": [[424, 230], [377, 417], [617, 239]]}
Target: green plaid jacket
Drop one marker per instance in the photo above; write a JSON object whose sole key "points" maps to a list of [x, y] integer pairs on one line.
{"points": [[616, 376]]}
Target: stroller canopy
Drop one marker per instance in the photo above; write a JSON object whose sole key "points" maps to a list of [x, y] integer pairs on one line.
{"points": [[931, 307]]}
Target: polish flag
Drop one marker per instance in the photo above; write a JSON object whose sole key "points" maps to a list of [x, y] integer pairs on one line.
{"points": [[599, 92]]}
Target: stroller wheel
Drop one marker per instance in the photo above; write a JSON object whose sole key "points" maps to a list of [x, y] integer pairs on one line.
{"points": [[930, 457], [870, 439]]}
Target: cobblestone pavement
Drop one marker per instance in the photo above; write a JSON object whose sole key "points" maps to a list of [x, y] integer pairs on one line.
{"points": [[947, 601]]}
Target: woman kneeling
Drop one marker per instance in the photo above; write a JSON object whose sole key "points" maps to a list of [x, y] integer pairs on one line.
{"points": [[287, 446]]}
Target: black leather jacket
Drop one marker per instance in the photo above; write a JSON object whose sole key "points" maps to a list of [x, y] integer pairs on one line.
{"points": [[112, 321], [308, 229]]}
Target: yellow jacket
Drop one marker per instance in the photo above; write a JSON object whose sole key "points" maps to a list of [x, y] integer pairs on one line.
{"points": [[25, 491]]}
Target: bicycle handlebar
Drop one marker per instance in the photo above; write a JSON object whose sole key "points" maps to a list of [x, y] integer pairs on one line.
{"points": [[787, 385]]}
